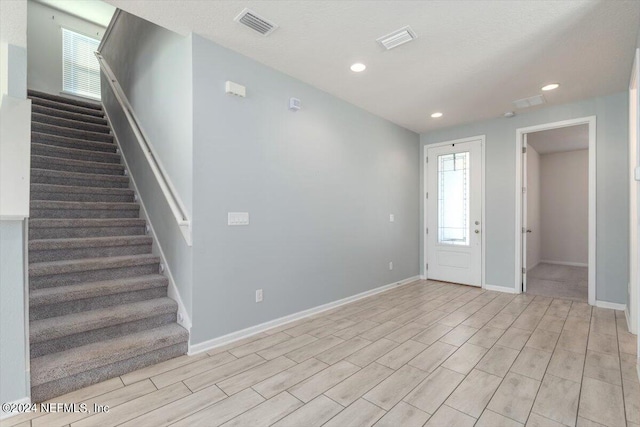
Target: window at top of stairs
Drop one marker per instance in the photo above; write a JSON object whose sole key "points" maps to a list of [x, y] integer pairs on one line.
{"points": [[80, 67]]}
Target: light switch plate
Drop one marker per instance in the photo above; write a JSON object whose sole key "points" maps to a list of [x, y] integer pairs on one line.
{"points": [[238, 218]]}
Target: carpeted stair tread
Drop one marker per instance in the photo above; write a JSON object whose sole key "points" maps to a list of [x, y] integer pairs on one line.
{"points": [[90, 264], [95, 105], [70, 132], [44, 250], [73, 165], [47, 176], [56, 228], [88, 242], [64, 209], [65, 107], [60, 294], [79, 117], [56, 366], [69, 123], [75, 189], [76, 323], [65, 141], [74, 153]]}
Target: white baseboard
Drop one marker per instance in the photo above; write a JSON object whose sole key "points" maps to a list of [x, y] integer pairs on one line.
{"points": [[253, 330], [184, 319], [423, 277], [571, 264], [500, 289], [611, 305], [23, 401]]}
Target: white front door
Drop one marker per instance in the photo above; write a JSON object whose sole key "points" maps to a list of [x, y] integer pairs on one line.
{"points": [[454, 212]]}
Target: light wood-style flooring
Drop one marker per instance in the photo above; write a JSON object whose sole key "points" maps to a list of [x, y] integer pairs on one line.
{"points": [[428, 353]]}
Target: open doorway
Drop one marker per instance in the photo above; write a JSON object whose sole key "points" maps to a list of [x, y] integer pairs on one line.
{"points": [[557, 210]]}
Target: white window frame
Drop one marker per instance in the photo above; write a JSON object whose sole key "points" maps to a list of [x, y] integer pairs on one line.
{"points": [[74, 89]]}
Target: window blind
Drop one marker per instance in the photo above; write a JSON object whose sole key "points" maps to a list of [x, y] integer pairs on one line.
{"points": [[80, 68]]}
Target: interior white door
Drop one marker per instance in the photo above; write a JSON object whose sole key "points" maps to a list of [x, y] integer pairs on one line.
{"points": [[454, 213], [525, 228]]}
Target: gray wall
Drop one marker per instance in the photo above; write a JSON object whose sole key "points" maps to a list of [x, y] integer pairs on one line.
{"points": [[13, 367], [153, 66], [612, 233], [44, 36], [564, 195], [319, 185]]}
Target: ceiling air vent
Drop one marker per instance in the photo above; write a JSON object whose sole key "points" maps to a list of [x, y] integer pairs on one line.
{"points": [[398, 37], [529, 102], [256, 22]]}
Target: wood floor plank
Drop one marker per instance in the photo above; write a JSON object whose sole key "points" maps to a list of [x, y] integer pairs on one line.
{"points": [[223, 411], [179, 409]]}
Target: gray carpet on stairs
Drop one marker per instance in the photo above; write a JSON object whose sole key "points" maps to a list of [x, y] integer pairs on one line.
{"points": [[98, 303]]}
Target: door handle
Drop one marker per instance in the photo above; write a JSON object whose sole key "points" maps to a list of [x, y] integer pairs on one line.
{"points": [[477, 231], [528, 231]]}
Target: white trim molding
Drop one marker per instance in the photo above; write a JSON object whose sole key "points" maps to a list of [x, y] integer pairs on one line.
{"points": [[506, 290], [183, 317], [611, 305], [6, 415], [570, 264], [520, 132], [253, 330]]}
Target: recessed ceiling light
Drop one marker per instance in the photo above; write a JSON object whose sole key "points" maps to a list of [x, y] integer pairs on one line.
{"points": [[358, 67], [436, 115], [551, 86]]}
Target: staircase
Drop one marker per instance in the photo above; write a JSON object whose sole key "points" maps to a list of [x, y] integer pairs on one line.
{"points": [[98, 307]]}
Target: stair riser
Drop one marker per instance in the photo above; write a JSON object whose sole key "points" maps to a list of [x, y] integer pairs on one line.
{"points": [[65, 385], [61, 141], [78, 182], [69, 123], [81, 197], [94, 169], [70, 133], [94, 105], [77, 340], [76, 232], [89, 156], [66, 107], [84, 213], [78, 253], [68, 115], [50, 280], [77, 306]]}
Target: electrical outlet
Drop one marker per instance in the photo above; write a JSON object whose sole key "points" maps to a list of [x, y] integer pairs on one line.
{"points": [[390, 265], [392, 218], [259, 295]]}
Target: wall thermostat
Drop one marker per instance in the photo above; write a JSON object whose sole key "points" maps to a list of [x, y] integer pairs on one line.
{"points": [[294, 104]]}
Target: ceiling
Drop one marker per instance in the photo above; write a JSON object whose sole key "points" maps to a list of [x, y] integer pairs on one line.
{"points": [[568, 138], [470, 61], [95, 11]]}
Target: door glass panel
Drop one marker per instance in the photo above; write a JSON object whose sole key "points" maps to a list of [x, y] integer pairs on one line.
{"points": [[453, 199]]}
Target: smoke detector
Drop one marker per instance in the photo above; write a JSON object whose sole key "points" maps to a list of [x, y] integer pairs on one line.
{"points": [[397, 38], [532, 101], [256, 22]]}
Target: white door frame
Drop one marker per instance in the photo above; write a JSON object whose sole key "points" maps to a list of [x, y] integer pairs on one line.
{"points": [[591, 121], [633, 317], [481, 138]]}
